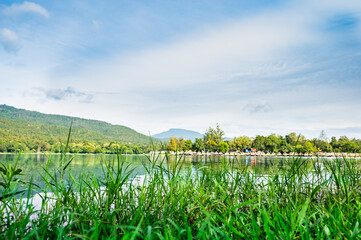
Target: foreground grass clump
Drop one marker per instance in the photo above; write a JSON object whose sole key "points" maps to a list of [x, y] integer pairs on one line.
{"points": [[298, 199]]}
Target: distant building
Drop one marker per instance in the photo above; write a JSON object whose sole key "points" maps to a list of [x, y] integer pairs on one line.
{"points": [[247, 150]]}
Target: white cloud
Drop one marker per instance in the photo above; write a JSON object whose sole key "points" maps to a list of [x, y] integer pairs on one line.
{"points": [[247, 48], [213, 54], [9, 40], [263, 55], [59, 94], [26, 7], [255, 108], [257, 75]]}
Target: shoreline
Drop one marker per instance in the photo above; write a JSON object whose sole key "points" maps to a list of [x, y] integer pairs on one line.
{"points": [[261, 154], [191, 153]]}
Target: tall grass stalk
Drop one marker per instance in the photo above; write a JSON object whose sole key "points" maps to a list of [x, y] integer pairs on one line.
{"points": [[293, 199]]}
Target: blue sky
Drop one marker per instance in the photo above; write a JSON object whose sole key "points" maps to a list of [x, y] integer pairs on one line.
{"points": [[254, 67]]}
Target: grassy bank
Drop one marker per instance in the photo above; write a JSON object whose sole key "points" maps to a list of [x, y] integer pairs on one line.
{"points": [[299, 199]]}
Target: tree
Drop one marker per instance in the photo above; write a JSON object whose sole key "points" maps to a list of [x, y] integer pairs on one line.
{"points": [[212, 137], [284, 147], [322, 145], [349, 146], [323, 136], [240, 143], [334, 144], [212, 145], [188, 145], [299, 148], [308, 147], [176, 144], [181, 144], [232, 145], [291, 138], [271, 143], [136, 149], [98, 150], [198, 145], [172, 145], [259, 143], [223, 147]]}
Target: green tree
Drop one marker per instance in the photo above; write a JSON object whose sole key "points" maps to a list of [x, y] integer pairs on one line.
{"points": [[349, 146], [272, 143], [334, 144], [223, 147], [291, 138], [284, 147], [136, 149], [322, 145], [294, 139], [98, 150], [259, 143], [308, 147], [172, 145], [176, 144], [188, 145], [181, 144], [212, 137], [212, 145], [198, 145], [240, 143], [2, 146]]}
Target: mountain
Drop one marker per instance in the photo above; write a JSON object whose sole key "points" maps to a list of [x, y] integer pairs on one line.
{"points": [[178, 133], [17, 120]]}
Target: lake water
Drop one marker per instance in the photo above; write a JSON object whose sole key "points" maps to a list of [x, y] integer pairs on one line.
{"points": [[33, 164]]}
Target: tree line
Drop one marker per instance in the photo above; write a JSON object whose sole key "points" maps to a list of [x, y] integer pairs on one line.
{"points": [[17, 136], [214, 141], [33, 145]]}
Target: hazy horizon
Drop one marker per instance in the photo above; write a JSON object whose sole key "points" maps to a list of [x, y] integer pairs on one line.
{"points": [[255, 68]]}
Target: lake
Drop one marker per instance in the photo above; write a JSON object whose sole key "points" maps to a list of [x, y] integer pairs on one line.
{"points": [[242, 189], [32, 164]]}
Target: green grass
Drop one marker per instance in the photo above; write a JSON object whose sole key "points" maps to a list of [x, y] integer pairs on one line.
{"points": [[296, 199]]}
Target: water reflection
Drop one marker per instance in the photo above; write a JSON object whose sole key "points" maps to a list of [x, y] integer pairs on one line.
{"points": [[33, 164]]}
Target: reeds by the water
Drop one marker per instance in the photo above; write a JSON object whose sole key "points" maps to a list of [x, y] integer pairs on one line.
{"points": [[299, 199]]}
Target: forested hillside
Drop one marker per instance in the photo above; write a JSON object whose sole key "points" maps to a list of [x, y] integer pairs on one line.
{"points": [[32, 131]]}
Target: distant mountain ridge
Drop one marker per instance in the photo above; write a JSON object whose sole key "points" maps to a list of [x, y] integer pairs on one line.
{"points": [[98, 129], [178, 133]]}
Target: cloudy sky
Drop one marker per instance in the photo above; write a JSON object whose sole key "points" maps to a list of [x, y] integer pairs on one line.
{"points": [[254, 67]]}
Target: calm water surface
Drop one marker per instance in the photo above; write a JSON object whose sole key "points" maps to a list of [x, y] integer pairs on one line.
{"points": [[33, 164]]}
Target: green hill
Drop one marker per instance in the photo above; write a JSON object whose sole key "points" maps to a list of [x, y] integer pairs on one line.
{"points": [[26, 127]]}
